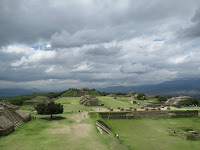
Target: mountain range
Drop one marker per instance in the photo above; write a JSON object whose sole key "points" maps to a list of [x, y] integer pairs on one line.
{"points": [[168, 88], [16, 91]]}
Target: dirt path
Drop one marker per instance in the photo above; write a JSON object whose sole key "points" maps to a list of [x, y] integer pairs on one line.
{"points": [[79, 117]]}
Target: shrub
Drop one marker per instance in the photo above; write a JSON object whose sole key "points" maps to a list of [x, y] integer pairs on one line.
{"points": [[191, 101], [162, 98], [141, 96]]}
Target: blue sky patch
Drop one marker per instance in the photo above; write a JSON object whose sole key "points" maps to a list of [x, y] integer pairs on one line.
{"points": [[36, 47]]}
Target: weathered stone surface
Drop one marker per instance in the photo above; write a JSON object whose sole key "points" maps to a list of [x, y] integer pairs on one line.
{"points": [[177, 100], [148, 114], [6, 126], [11, 117], [90, 100]]}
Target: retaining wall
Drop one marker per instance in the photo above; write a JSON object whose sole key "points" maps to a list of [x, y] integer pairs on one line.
{"points": [[148, 114], [6, 131]]}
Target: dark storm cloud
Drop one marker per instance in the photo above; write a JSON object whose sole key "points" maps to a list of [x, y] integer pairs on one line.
{"points": [[193, 31], [97, 43], [89, 36], [74, 23], [103, 51]]}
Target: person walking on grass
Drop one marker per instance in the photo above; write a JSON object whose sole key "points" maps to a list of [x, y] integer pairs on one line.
{"points": [[117, 136]]}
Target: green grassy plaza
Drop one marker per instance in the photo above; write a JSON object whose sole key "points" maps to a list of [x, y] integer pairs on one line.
{"points": [[78, 131]]}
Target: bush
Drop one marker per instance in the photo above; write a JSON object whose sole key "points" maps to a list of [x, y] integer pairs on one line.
{"points": [[162, 98], [141, 96], [191, 101]]}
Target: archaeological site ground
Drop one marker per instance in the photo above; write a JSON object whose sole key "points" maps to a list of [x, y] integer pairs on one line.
{"points": [[92, 123]]}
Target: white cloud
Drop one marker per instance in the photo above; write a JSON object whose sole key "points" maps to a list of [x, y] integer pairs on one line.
{"points": [[82, 67], [106, 43], [51, 69]]}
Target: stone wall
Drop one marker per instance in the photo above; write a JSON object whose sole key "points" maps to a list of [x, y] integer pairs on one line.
{"points": [[6, 126], [4, 132], [185, 137], [183, 114], [11, 118], [148, 114], [104, 126]]}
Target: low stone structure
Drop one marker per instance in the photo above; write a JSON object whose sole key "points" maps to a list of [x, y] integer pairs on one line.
{"points": [[112, 95], [103, 126], [150, 114], [44, 100], [177, 100], [6, 126], [132, 94], [146, 104], [81, 93], [11, 117], [150, 96], [186, 134], [90, 100]]}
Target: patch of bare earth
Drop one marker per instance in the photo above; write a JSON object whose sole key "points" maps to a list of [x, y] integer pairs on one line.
{"points": [[77, 130], [79, 117], [82, 130], [61, 129]]}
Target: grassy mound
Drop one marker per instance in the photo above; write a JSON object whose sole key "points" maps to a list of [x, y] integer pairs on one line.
{"points": [[39, 99], [75, 92], [94, 92], [70, 93]]}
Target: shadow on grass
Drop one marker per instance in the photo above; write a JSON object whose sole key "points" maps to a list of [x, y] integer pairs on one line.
{"points": [[54, 118]]}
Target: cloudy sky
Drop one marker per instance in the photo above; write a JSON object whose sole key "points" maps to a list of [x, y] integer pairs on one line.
{"points": [[57, 44]]}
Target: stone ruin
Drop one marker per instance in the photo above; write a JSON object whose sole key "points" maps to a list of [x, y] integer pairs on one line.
{"points": [[148, 114], [112, 95], [186, 134], [103, 127], [177, 100], [81, 93], [44, 100], [90, 100], [132, 94], [11, 117]]}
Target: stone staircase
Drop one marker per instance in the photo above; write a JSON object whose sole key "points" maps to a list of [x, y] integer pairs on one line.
{"points": [[98, 124], [13, 118], [81, 93]]}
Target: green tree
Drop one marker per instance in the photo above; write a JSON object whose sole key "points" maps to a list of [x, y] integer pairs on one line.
{"points": [[49, 109], [141, 96], [40, 108], [162, 98]]}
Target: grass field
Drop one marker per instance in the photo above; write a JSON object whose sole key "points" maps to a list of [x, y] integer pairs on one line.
{"points": [[151, 134], [79, 131]]}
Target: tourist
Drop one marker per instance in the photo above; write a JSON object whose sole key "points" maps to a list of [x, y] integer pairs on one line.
{"points": [[117, 136]]}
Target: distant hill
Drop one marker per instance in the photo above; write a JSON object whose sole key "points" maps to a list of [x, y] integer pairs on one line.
{"points": [[78, 93], [15, 92], [173, 88]]}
